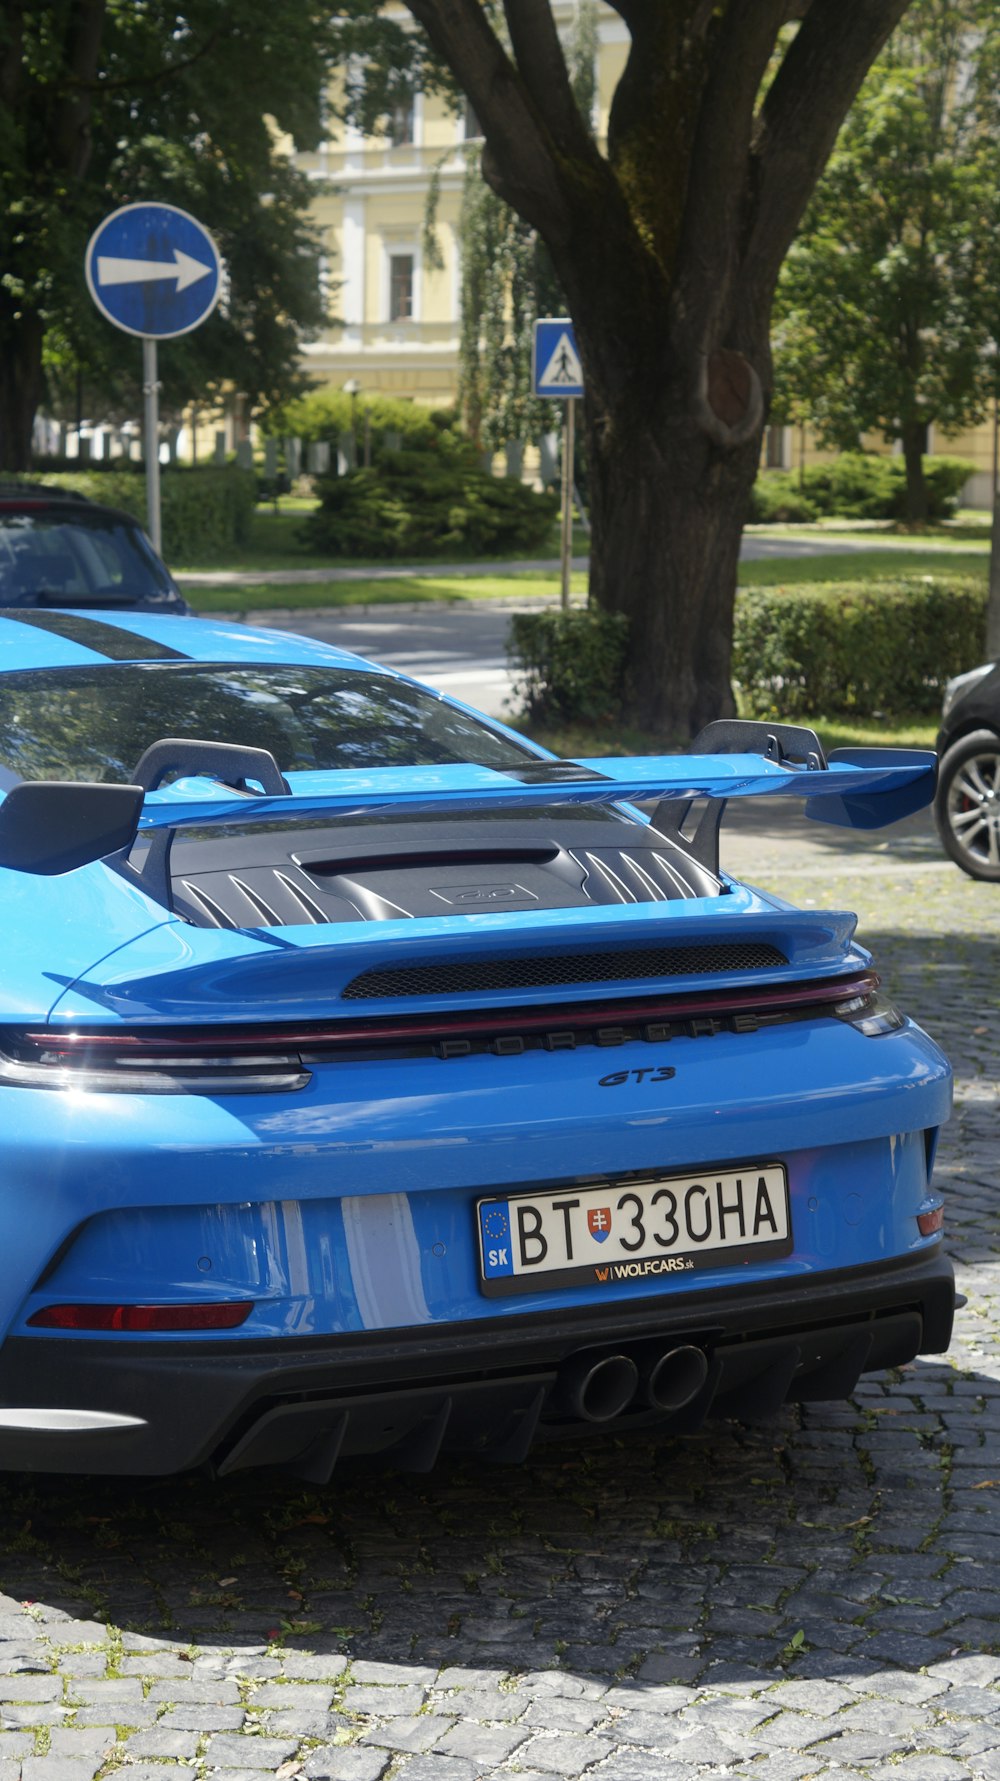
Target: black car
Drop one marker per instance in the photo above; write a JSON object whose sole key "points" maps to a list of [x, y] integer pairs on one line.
{"points": [[58, 548], [967, 802]]}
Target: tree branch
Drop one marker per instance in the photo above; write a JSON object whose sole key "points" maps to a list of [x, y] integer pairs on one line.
{"points": [[633, 13], [521, 161], [11, 54], [71, 125], [542, 67], [807, 102], [708, 247]]}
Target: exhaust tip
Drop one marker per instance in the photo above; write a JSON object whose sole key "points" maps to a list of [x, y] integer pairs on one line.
{"points": [[675, 1378], [598, 1391]]}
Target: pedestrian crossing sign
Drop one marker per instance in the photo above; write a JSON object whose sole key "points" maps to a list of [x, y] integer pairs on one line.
{"points": [[555, 367]]}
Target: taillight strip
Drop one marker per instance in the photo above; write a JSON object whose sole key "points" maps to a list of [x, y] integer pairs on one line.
{"points": [[758, 998]]}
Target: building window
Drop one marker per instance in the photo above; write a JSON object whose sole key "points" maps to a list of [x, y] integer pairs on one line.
{"points": [[400, 287], [471, 128], [401, 124]]}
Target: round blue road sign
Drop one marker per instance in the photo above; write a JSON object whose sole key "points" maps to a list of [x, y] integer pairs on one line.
{"points": [[153, 271]]}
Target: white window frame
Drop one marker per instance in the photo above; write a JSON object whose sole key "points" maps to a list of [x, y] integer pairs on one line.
{"points": [[404, 141], [392, 250], [462, 125], [416, 142]]}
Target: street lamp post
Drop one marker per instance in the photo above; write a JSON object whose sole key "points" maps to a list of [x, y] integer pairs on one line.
{"points": [[352, 388]]}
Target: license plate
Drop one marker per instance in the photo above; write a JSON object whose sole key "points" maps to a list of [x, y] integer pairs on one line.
{"points": [[629, 1231]]}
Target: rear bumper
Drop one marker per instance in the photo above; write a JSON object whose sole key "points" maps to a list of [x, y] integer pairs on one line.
{"points": [[494, 1387]]}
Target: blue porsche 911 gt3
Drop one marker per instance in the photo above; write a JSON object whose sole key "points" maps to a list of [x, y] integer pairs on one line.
{"points": [[372, 1082]]}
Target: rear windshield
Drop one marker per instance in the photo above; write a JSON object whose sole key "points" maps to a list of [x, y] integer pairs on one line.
{"points": [[76, 558], [95, 723]]}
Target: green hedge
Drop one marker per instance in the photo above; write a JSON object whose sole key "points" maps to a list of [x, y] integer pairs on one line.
{"points": [[411, 503], [203, 512], [856, 485], [568, 666], [861, 648]]}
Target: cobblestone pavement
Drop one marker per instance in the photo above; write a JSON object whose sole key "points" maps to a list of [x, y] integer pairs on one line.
{"points": [[817, 1596]]}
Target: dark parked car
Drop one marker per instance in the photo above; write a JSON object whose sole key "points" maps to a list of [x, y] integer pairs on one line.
{"points": [[59, 549], [967, 803]]}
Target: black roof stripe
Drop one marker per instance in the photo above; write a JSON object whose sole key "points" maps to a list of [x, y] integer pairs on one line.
{"points": [[106, 640]]}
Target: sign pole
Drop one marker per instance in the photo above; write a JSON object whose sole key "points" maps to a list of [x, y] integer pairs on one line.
{"points": [[567, 502], [154, 272], [151, 429], [556, 372]]}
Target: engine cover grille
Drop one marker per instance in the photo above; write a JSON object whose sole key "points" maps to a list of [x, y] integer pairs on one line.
{"points": [[461, 976]]}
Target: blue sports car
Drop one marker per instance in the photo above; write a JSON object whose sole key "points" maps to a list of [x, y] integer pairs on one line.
{"points": [[372, 1082]]}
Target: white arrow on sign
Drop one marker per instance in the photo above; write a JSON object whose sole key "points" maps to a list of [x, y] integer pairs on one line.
{"points": [[185, 269]]}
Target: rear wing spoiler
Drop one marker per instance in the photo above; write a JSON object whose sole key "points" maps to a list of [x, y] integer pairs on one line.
{"points": [[49, 827]]}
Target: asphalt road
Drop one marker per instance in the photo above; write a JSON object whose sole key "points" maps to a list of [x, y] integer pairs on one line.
{"points": [[814, 1596]]}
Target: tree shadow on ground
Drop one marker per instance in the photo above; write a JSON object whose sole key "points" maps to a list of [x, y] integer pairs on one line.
{"points": [[779, 823], [839, 1541], [736, 1556]]}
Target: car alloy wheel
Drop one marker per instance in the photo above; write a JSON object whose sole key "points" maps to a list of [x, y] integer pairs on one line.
{"points": [[967, 804]]}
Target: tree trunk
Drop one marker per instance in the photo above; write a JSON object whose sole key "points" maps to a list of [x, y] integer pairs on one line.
{"points": [[914, 449], [673, 446], [20, 383], [667, 513]]}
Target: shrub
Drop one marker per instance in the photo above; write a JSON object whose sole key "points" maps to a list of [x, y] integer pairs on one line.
{"points": [[856, 485], [203, 512], [568, 666], [945, 479], [777, 499], [327, 413], [414, 503], [855, 647]]}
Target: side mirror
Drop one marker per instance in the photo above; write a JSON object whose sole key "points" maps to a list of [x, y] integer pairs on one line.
{"points": [[49, 826]]}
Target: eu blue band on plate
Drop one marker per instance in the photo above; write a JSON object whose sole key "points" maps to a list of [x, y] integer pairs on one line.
{"points": [[498, 1256]]}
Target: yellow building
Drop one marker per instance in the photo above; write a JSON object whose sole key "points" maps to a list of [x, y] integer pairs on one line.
{"points": [[396, 330], [397, 309], [397, 314]]}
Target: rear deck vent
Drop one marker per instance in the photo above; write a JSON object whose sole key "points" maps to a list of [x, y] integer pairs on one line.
{"points": [[456, 978]]}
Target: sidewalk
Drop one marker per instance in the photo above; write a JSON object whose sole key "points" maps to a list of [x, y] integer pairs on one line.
{"points": [[388, 572]]}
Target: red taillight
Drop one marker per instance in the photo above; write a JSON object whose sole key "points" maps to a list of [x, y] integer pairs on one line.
{"points": [[930, 1222], [149, 1064], [141, 1318]]}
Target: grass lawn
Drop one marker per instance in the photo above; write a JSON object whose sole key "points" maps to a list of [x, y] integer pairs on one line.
{"points": [[970, 525], [862, 565], [419, 589], [390, 591]]}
